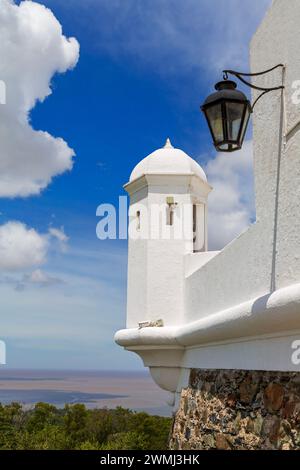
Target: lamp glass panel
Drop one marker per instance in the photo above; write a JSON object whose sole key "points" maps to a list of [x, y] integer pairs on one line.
{"points": [[228, 147], [214, 116], [245, 124], [234, 115]]}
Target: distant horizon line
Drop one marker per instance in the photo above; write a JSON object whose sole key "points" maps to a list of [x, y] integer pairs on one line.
{"points": [[25, 369]]}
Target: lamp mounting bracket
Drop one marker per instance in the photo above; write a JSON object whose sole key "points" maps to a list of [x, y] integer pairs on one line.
{"points": [[240, 76]]}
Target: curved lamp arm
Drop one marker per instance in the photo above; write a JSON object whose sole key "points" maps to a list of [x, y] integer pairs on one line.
{"points": [[240, 76]]}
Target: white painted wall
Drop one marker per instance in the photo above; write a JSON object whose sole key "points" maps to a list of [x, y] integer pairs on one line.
{"points": [[278, 40]]}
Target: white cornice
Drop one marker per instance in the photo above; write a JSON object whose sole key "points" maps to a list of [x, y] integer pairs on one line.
{"points": [[247, 336], [168, 179], [267, 315]]}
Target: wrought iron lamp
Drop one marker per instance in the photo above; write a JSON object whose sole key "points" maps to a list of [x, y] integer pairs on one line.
{"points": [[228, 110]]}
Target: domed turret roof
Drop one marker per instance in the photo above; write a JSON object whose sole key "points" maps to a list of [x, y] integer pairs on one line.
{"points": [[168, 161]]}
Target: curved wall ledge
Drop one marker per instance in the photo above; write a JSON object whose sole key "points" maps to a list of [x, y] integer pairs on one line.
{"points": [[246, 336], [272, 313]]}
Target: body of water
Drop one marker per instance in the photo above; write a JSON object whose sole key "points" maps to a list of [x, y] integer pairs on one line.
{"points": [[95, 389]]}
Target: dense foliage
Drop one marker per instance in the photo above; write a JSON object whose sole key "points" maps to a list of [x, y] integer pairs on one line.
{"points": [[48, 428]]}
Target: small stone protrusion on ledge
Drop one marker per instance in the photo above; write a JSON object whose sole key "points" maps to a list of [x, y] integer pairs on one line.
{"points": [[148, 324]]}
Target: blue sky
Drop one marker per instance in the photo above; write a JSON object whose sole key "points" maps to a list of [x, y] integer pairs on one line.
{"points": [[144, 68]]}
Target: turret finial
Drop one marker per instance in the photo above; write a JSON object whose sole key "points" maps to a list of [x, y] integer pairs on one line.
{"points": [[168, 144]]}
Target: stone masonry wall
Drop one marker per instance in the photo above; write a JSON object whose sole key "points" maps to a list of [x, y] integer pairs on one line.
{"points": [[236, 409]]}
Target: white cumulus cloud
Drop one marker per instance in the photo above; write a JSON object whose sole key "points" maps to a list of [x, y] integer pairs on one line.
{"points": [[231, 203], [32, 49], [21, 247], [40, 278], [59, 234]]}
